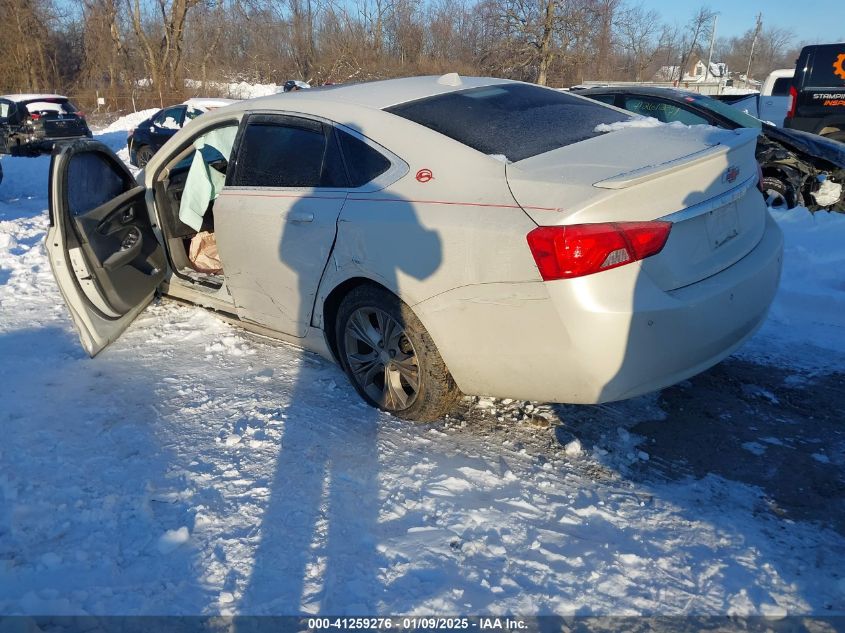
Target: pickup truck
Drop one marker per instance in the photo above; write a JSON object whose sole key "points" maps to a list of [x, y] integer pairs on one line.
{"points": [[771, 103], [817, 94]]}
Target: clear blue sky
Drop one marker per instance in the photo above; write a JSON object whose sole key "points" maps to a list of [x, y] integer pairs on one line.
{"points": [[814, 21]]}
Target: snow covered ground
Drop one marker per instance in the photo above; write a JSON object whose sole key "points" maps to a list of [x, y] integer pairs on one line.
{"points": [[193, 468]]}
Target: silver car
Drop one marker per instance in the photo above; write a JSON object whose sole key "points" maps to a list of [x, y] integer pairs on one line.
{"points": [[436, 236]]}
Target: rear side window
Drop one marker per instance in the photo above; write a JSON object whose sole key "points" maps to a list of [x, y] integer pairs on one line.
{"points": [[288, 155], [363, 163], [92, 180], [781, 87], [828, 67], [512, 120], [608, 99]]}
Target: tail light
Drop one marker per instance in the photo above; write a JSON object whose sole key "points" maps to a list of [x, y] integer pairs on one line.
{"points": [[34, 117], [792, 103], [565, 252], [80, 114]]}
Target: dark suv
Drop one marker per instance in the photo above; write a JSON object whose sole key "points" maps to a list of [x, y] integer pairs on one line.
{"points": [[817, 93], [30, 124]]}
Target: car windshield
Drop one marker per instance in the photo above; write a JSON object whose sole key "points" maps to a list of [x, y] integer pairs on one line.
{"points": [[515, 121], [728, 111]]}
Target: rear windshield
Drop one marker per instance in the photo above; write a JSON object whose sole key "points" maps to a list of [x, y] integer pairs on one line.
{"points": [[828, 67], [516, 121], [47, 106], [781, 86]]}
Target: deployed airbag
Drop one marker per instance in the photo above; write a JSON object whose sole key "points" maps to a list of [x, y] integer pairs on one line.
{"points": [[204, 182]]}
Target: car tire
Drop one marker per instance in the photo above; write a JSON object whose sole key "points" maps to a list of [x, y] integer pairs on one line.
{"points": [[143, 155], [364, 316], [777, 193]]}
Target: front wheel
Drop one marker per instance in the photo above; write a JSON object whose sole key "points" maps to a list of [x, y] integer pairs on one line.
{"points": [[390, 358], [143, 155], [778, 194]]}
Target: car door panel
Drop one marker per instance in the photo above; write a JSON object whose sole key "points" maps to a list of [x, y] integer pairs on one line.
{"points": [[276, 218], [274, 247], [104, 254]]}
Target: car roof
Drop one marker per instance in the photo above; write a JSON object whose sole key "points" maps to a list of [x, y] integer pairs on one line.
{"points": [[23, 97], [374, 94]]}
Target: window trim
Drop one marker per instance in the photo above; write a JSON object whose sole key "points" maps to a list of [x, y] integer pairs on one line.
{"points": [[398, 167]]}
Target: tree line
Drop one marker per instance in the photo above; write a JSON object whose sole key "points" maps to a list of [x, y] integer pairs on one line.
{"points": [[148, 48]]}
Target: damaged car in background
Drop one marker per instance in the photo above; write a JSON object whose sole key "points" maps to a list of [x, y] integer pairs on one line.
{"points": [[799, 169], [30, 124]]}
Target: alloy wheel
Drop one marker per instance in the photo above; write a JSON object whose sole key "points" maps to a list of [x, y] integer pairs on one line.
{"points": [[382, 358]]}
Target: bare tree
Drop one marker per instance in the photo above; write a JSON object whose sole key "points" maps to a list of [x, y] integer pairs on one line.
{"points": [[639, 34], [696, 29]]}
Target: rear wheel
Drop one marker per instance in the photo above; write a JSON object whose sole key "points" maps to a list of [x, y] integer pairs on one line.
{"points": [[778, 194], [390, 358], [143, 155]]}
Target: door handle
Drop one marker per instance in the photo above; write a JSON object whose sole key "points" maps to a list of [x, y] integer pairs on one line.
{"points": [[130, 248], [301, 217]]}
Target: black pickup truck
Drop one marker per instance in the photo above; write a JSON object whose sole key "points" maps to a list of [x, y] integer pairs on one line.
{"points": [[817, 93], [30, 124]]}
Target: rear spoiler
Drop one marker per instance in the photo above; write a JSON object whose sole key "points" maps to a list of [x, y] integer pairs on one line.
{"points": [[644, 174]]}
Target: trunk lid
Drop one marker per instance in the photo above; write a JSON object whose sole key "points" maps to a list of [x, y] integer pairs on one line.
{"points": [[57, 125], [700, 178]]}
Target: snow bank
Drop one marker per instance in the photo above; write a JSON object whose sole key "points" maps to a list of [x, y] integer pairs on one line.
{"points": [[236, 90], [810, 305], [129, 121]]}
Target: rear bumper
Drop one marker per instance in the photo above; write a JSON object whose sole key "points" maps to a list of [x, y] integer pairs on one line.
{"points": [[604, 337]]}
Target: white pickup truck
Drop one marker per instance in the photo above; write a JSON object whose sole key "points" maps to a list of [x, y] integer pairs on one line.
{"points": [[771, 103]]}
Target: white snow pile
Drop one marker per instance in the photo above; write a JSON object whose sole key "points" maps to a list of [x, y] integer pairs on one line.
{"points": [[235, 90], [192, 468], [129, 121], [636, 121], [640, 121]]}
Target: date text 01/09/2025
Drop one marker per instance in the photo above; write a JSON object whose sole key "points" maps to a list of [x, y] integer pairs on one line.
{"points": [[421, 623]]}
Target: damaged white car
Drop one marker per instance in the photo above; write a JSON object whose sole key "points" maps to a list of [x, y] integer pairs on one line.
{"points": [[435, 236]]}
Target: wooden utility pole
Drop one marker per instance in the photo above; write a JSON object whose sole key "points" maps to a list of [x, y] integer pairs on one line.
{"points": [[753, 42]]}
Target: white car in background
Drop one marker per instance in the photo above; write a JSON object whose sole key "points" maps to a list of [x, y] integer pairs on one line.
{"points": [[435, 236]]}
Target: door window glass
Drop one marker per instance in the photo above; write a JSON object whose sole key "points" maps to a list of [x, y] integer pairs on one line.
{"points": [[288, 155], [662, 111], [363, 163], [170, 118], [92, 180]]}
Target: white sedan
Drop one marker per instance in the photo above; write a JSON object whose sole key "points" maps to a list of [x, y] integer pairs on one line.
{"points": [[435, 236]]}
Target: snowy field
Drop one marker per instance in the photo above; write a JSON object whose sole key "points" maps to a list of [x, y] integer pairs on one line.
{"points": [[195, 469]]}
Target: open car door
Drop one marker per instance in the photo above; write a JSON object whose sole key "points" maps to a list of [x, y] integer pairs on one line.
{"points": [[105, 257]]}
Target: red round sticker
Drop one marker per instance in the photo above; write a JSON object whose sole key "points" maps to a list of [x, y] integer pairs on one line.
{"points": [[424, 175]]}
